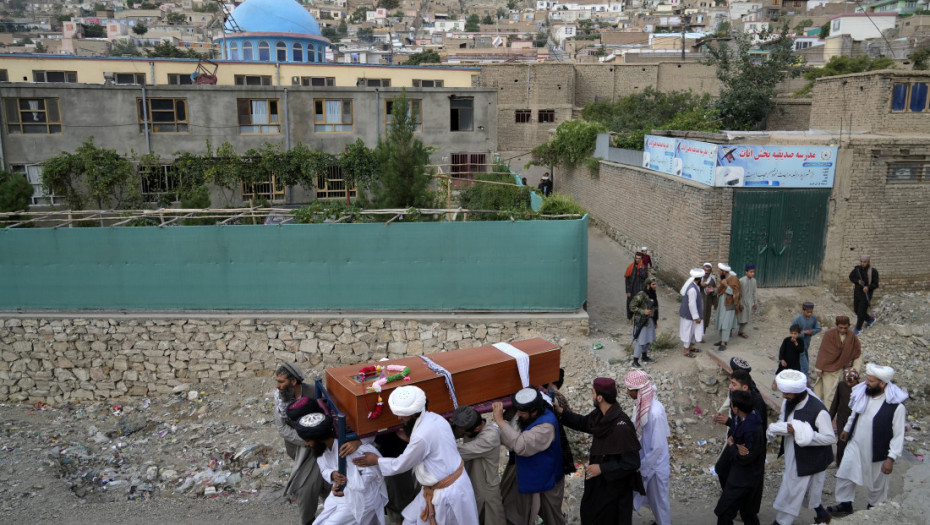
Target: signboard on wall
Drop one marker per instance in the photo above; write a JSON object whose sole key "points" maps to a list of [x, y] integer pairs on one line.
{"points": [[737, 166]]}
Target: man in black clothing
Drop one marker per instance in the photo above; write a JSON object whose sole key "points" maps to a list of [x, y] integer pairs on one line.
{"points": [[613, 472], [865, 281], [740, 381], [746, 450]]}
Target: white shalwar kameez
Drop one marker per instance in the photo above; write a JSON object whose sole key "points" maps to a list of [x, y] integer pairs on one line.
{"points": [[689, 330], [365, 493], [857, 467], [434, 455], [794, 489], [654, 465]]}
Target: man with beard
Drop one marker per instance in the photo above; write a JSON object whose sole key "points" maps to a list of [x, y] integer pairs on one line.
{"points": [[613, 470], [728, 300], [359, 495], [481, 451], [708, 291], [645, 306], [865, 282], [807, 443], [635, 275], [874, 439], [536, 444], [839, 350], [445, 495], [690, 329], [652, 431]]}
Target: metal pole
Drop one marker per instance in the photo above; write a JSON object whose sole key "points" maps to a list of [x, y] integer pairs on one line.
{"points": [[145, 122], [682, 35]]}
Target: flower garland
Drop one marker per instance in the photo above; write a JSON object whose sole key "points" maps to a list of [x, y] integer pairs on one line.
{"points": [[368, 371]]}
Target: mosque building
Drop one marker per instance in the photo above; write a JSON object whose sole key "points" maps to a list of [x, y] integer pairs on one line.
{"points": [[273, 31]]}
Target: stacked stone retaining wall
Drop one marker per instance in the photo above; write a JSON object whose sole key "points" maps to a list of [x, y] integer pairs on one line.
{"points": [[71, 359]]}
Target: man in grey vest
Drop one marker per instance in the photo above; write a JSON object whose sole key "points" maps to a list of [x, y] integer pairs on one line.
{"points": [[690, 327], [807, 443], [874, 436]]}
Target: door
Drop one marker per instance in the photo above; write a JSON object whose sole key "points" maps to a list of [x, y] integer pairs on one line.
{"points": [[781, 232]]}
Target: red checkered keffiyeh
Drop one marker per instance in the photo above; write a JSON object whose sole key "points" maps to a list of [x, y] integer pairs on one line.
{"points": [[639, 380]]}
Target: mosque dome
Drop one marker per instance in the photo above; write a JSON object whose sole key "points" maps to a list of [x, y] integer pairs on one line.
{"points": [[274, 16]]}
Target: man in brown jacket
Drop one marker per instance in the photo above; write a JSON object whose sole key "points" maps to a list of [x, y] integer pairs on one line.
{"points": [[728, 299], [839, 350]]}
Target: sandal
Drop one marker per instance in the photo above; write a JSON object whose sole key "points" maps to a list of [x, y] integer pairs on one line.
{"points": [[695, 350], [690, 354], [744, 336]]}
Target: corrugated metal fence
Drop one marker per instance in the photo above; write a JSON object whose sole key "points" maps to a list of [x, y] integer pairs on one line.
{"points": [[487, 266]]}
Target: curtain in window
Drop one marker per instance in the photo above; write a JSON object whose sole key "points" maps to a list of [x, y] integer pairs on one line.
{"points": [[333, 111], [259, 112], [918, 97], [898, 97], [34, 107]]}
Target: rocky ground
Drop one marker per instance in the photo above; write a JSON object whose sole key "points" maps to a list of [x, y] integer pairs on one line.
{"points": [[212, 455]]}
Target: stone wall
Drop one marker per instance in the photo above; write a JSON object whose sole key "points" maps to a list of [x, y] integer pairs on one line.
{"points": [[683, 223], [789, 115], [70, 359]]}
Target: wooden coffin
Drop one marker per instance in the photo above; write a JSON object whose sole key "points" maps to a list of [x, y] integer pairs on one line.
{"points": [[479, 374]]}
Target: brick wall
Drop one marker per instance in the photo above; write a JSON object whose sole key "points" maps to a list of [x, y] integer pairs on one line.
{"points": [[689, 75], [887, 220], [790, 115], [862, 101], [611, 81], [639, 207]]}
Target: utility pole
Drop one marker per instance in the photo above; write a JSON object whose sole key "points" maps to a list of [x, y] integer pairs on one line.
{"points": [[682, 20]]}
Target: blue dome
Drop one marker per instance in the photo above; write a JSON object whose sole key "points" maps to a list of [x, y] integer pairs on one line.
{"points": [[274, 16]]}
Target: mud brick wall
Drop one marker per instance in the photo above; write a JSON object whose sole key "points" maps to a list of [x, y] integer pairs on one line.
{"points": [[638, 207], [862, 102], [58, 360], [790, 115]]}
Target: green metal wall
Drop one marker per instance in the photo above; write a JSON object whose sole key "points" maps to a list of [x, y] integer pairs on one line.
{"points": [[782, 232], [483, 265]]}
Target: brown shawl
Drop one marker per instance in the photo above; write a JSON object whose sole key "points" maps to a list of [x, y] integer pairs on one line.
{"points": [[835, 354], [733, 282]]}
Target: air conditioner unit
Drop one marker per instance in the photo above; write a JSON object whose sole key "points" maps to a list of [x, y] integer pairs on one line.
{"points": [[295, 81]]}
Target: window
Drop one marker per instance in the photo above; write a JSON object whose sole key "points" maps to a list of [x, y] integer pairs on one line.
{"points": [[69, 77], [253, 80], [908, 172], [264, 52], [247, 51], [544, 116], [461, 114], [332, 116], [298, 52], [32, 115], [319, 54], [427, 83], [33, 174], [909, 97], [373, 82], [465, 164], [258, 115], [4, 76], [332, 185], [163, 115], [414, 112], [130, 79], [523, 116], [272, 190], [233, 51], [160, 183], [318, 81], [179, 79], [281, 51]]}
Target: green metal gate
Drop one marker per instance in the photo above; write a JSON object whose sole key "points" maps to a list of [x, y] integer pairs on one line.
{"points": [[781, 232]]}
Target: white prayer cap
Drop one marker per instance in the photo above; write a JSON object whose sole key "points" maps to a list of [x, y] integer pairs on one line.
{"points": [[407, 400], [791, 381], [696, 273], [724, 266], [644, 248], [882, 373], [708, 265]]}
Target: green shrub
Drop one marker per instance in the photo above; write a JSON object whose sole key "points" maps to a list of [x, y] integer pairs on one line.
{"points": [[560, 204], [15, 192], [510, 199]]}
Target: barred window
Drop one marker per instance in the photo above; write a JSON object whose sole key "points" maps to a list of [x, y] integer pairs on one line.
{"points": [[273, 190], [466, 164], [332, 185], [523, 116], [908, 172], [160, 182], [545, 116]]}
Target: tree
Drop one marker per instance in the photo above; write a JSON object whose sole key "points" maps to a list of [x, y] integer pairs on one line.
{"points": [[430, 56], [842, 65], [140, 29], [359, 166], [331, 33], [343, 28], [40, 47], [175, 17], [99, 7], [749, 78], [168, 50], [824, 31], [121, 48], [365, 34], [389, 4], [94, 31], [471, 24], [487, 20], [15, 192], [802, 25], [402, 181], [89, 175], [572, 145], [509, 199], [920, 58], [513, 4], [501, 13], [359, 15]]}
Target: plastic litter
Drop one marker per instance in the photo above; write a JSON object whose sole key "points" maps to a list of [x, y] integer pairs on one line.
{"points": [[598, 346]]}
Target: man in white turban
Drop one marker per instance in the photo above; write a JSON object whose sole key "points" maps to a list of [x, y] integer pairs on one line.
{"points": [[874, 436], [446, 495], [807, 442], [690, 327], [651, 425]]}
